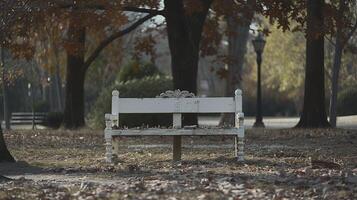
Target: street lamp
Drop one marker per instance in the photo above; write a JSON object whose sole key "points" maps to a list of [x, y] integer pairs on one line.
{"points": [[259, 44], [30, 94]]}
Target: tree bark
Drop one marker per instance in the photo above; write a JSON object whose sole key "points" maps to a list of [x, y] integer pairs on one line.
{"points": [[58, 85], [237, 48], [336, 66], [5, 155], [334, 84], [4, 91], [184, 35], [314, 111], [75, 75]]}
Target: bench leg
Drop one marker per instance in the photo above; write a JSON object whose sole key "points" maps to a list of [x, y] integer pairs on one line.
{"points": [[239, 148], [176, 148], [239, 139], [108, 147]]}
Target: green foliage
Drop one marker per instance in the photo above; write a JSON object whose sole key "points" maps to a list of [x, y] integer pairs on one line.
{"points": [[137, 70], [283, 62], [54, 120], [150, 86], [347, 101]]}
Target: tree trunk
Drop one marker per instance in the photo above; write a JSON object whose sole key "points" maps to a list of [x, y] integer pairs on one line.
{"points": [[77, 67], [75, 75], [314, 111], [237, 48], [334, 84], [336, 66], [184, 35], [4, 91], [4, 152], [58, 83], [58, 88]]}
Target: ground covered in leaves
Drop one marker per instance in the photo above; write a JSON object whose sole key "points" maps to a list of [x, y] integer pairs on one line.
{"points": [[294, 164]]}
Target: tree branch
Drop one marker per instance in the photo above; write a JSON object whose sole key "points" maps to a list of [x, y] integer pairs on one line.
{"points": [[330, 40], [69, 5], [113, 37], [143, 10], [66, 5], [89, 7]]}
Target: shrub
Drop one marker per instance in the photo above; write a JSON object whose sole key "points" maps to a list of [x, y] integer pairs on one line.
{"points": [[140, 88], [137, 70], [54, 120], [347, 101]]}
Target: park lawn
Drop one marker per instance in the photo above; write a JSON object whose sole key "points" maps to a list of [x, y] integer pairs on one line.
{"points": [[290, 163]]}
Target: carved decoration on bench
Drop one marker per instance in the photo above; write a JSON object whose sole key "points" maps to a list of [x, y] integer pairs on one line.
{"points": [[176, 94]]}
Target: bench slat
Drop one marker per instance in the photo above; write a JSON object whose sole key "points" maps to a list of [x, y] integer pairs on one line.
{"points": [[174, 132], [27, 117], [28, 114], [25, 121], [175, 105]]}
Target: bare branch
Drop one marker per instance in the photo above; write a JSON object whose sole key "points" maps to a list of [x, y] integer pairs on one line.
{"points": [[330, 40], [143, 10], [88, 6], [113, 37], [66, 5]]}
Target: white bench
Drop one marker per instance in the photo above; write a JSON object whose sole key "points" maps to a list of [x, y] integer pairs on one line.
{"points": [[175, 102]]}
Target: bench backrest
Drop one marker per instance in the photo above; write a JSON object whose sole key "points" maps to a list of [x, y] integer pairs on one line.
{"points": [[177, 104], [18, 118]]}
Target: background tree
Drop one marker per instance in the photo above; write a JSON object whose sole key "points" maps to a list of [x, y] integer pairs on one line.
{"points": [[237, 32], [50, 56], [77, 67], [184, 31], [9, 15], [344, 31], [4, 152], [76, 19], [4, 90], [314, 111], [186, 24]]}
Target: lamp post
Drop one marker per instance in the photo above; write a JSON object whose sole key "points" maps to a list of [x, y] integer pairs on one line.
{"points": [[31, 95], [259, 44]]}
